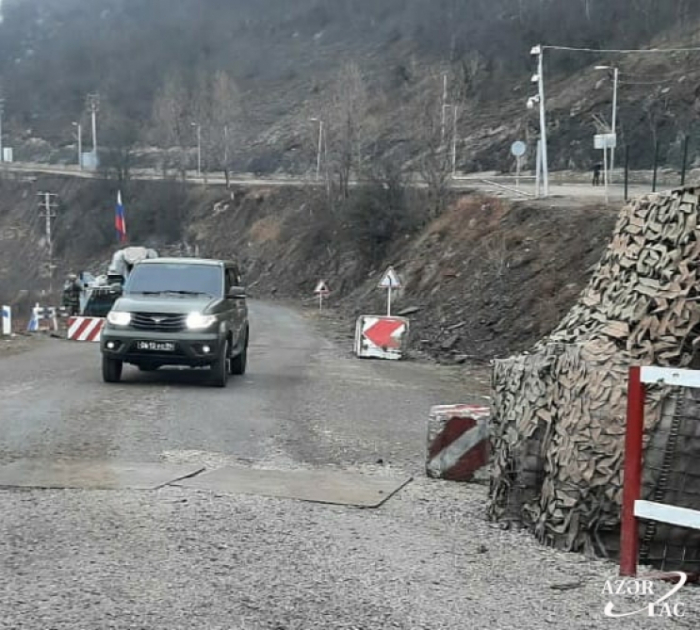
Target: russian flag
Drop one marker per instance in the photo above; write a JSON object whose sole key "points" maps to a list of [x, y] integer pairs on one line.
{"points": [[120, 220]]}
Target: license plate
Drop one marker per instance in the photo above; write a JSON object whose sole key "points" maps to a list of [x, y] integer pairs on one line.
{"points": [[156, 346]]}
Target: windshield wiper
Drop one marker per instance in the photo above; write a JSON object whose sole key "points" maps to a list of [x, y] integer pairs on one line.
{"points": [[189, 293], [173, 291]]}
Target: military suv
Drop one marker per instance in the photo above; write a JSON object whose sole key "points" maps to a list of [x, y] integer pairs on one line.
{"points": [[178, 311]]}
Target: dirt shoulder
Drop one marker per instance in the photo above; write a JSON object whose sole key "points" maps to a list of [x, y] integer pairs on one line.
{"points": [[18, 344]]}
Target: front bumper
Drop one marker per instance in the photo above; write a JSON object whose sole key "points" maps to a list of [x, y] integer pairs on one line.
{"points": [[189, 350]]}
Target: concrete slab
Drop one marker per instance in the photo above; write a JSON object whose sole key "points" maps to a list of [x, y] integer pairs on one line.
{"points": [[92, 475], [317, 486]]}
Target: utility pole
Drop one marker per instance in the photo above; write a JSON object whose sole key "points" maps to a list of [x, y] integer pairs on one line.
{"points": [[226, 147], [614, 121], [199, 148], [79, 127], [538, 51], [443, 119], [616, 75], [2, 111], [48, 213], [320, 146], [94, 106], [454, 143]]}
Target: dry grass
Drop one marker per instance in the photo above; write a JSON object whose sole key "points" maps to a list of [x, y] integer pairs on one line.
{"points": [[266, 230]]}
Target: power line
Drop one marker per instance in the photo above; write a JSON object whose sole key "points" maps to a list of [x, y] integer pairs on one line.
{"points": [[648, 51], [641, 83]]}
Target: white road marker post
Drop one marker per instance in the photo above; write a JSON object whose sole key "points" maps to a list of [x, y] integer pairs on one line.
{"points": [[322, 291], [390, 280]]}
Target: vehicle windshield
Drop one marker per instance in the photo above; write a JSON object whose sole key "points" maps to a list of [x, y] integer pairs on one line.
{"points": [[185, 279]]}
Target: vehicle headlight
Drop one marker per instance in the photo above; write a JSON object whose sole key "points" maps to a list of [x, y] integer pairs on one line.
{"points": [[197, 321], [119, 318]]}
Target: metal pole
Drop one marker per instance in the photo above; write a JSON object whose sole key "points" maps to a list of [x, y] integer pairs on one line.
{"points": [[543, 124], [320, 148], [47, 201], [656, 164], [94, 131], [685, 160], [517, 172], [46, 197], [605, 172], [538, 173], [632, 479], [614, 123], [93, 99], [79, 129], [627, 172], [388, 308], [2, 149], [199, 150], [454, 144], [226, 146], [444, 104]]}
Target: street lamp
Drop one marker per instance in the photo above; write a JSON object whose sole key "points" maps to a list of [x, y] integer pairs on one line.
{"points": [[616, 74], [199, 148], [320, 145], [538, 51], [79, 127], [2, 111]]}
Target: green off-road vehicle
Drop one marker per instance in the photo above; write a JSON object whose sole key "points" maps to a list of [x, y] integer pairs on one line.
{"points": [[178, 311]]}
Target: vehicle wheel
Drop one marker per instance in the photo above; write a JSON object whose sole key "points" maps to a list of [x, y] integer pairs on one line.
{"points": [[219, 369], [238, 363], [111, 370]]}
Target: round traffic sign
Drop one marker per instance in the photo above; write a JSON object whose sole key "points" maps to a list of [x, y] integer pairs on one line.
{"points": [[518, 148]]}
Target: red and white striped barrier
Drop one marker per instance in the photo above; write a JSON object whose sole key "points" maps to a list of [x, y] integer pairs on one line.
{"points": [[458, 441], [85, 328]]}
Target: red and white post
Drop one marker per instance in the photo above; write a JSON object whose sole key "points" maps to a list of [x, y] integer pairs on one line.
{"points": [[633, 508], [632, 484]]}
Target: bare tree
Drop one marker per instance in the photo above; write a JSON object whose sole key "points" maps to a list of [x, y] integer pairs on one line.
{"points": [[434, 158], [223, 121], [346, 115], [171, 121], [120, 134]]}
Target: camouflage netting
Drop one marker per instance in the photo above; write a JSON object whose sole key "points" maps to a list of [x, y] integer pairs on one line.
{"points": [[559, 412]]}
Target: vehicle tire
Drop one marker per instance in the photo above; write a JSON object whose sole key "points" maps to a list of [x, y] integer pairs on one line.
{"points": [[111, 370], [219, 369], [238, 363]]}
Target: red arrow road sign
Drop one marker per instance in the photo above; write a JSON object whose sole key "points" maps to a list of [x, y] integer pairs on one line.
{"points": [[381, 333]]}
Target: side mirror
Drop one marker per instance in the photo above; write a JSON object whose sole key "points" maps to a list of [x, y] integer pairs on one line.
{"points": [[236, 293]]}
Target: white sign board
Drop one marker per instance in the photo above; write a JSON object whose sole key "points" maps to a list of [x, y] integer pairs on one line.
{"points": [[90, 161], [605, 141], [7, 154], [321, 288], [390, 280], [380, 337], [6, 320], [518, 149]]}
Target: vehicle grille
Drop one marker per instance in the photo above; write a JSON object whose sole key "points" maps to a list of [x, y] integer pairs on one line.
{"points": [[159, 322]]}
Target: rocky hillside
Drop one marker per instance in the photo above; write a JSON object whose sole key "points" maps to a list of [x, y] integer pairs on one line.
{"points": [[261, 69], [484, 279]]}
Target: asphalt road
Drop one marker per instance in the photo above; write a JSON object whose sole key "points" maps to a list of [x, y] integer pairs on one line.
{"points": [[179, 558], [491, 183], [299, 389]]}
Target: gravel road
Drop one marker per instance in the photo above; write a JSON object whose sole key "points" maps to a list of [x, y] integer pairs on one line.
{"points": [[176, 558]]}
